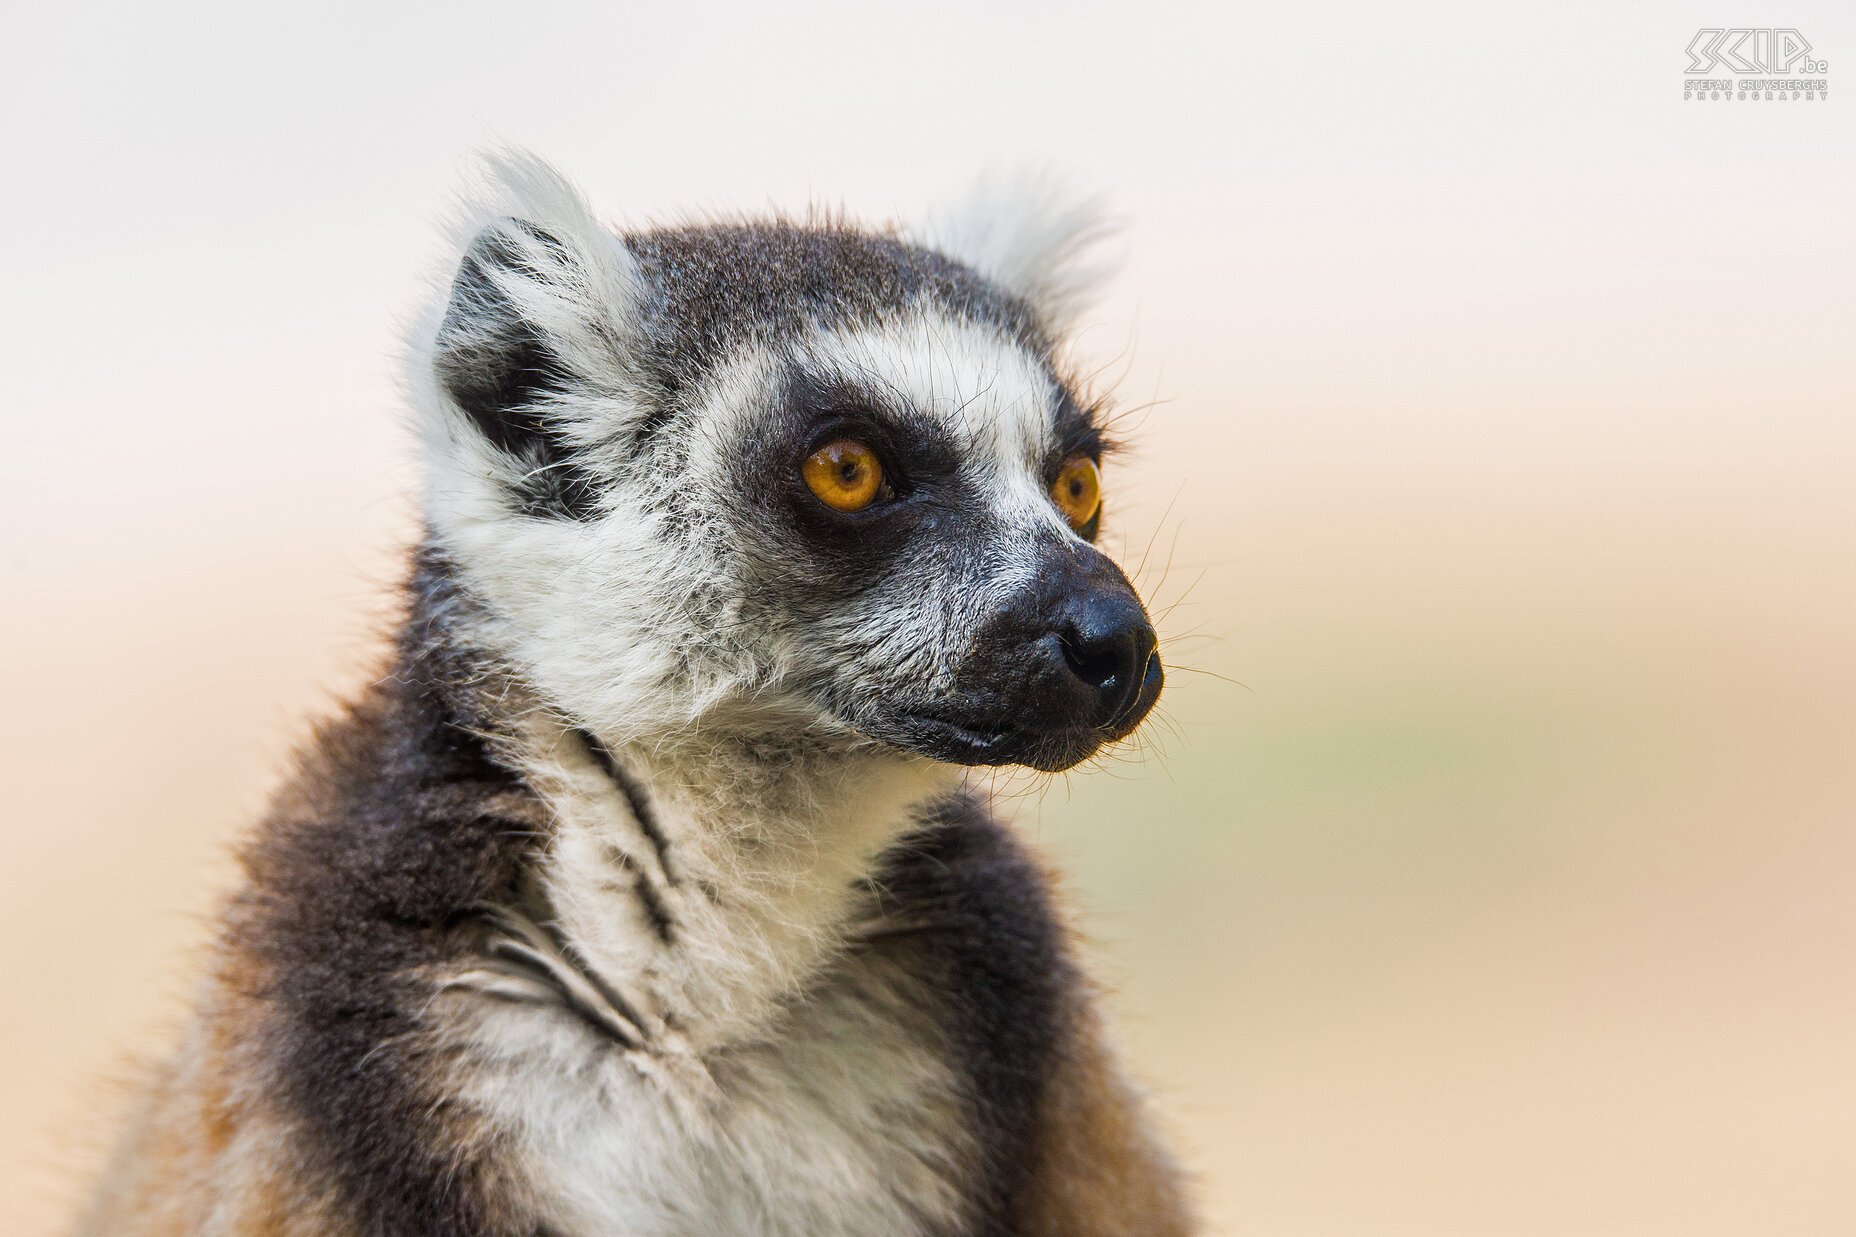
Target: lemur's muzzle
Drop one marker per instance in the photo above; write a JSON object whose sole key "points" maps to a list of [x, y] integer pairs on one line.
{"points": [[1097, 651], [1068, 664]]}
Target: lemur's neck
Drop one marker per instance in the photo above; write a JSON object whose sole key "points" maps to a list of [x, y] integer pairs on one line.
{"points": [[718, 876], [705, 875]]}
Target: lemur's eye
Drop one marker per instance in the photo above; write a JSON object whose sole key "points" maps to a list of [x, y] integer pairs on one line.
{"points": [[1078, 492], [845, 474]]}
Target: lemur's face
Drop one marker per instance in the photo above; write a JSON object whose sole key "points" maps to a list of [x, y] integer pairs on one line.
{"points": [[782, 469], [911, 506]]}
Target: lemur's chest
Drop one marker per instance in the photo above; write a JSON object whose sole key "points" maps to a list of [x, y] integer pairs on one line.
{"points": [[848, 1119]]}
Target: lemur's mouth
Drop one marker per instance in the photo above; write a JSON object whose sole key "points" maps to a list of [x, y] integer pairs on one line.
{"points": [[951, 741], [1052, 745]]}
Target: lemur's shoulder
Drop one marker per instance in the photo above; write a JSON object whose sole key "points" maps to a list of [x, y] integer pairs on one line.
{"points": [[304, 1095], [1068, 1144]]}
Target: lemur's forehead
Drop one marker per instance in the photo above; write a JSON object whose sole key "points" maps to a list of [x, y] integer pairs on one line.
{"points": [[990, 394], [993, 401]]}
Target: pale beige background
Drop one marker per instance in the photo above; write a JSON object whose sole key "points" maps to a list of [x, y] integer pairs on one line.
{"points": [[1505, 459]]}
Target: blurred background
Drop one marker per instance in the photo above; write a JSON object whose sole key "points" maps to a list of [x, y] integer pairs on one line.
{"points": [[1494, 465]]}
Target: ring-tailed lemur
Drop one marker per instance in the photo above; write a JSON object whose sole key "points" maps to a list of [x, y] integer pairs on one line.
{"points": [[642, 896]]}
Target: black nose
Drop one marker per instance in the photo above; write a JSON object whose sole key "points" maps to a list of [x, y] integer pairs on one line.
{"points": [[1108, 644], [1068, 663]]}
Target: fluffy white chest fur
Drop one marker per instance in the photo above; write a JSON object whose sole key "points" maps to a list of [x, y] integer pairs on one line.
{"points": [[788, 1082], [844, 1124]]}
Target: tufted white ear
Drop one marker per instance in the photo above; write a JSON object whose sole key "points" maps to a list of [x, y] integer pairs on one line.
{"points": [[1035, 237], [527, 355], [583, 258], [543, 292]]}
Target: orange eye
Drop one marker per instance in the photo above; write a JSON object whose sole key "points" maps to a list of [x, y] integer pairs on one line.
{"points": [[844, 474], [1078, 492]]}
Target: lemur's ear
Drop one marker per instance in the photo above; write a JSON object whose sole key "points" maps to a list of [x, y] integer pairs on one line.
{"points": [[538, 307], [1033, 237]]}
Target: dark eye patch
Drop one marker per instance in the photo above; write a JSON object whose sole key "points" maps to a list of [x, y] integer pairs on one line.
{"points": [[812, 554], [916, 449]]}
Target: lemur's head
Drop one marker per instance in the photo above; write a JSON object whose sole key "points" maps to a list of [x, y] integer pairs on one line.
{"points": [[772, 469]]}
